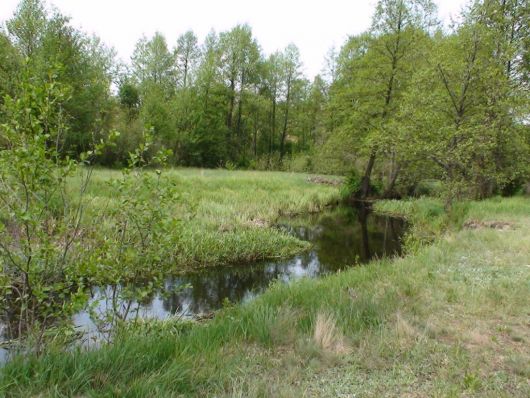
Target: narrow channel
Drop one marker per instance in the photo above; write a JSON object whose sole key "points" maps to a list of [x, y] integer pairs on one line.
{"points": [[340, 238]]}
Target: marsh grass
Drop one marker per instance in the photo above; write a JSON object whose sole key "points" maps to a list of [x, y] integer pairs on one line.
{"points": [[225, 217], [448, 320]]}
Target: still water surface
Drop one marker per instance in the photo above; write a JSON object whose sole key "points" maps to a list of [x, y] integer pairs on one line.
{"points": [[341, 238]]}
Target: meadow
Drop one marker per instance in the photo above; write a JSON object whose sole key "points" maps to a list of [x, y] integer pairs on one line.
{"points": [[224, 217], [448, 319], [414, 107]]}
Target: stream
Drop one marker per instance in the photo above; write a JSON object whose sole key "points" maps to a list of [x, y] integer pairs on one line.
{"points": [[341, 237]]}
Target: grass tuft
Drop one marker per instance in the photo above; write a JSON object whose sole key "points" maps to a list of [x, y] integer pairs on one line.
{"points": [[328, 336]]}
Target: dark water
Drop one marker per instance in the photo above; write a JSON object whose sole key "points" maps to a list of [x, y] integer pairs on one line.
{"points": [[341, 238]]}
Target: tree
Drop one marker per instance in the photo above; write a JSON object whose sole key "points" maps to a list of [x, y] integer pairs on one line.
{"points": [[373, 73], [10, 61], [272, 85], [398, 27], [153, 64], [129, 97], [82, 62], [187, 56], [28, 25], [466, 103], [315, 110], [208, 146], [291, 73], [240, 56], [505, 25], [509, 21], [41, 249]]}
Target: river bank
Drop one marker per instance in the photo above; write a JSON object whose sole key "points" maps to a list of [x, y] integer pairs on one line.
{"points": [[448, 319]]}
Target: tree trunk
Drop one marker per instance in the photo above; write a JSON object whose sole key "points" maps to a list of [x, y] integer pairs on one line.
{"points": [[285, 120], [240, 105], [185, 72], [231, 105], [365, 181], [239, 114], [256, 120], [389, 191]]}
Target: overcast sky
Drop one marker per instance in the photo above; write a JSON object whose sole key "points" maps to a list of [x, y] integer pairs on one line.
{"points": [[313, 25]]}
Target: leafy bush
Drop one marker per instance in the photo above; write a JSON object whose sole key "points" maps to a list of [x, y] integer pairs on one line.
{"points": [[428, 188], [353, 183], [42, 244], [50, 253]]}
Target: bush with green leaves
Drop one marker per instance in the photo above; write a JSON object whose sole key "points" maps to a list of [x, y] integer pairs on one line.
{"points": [[42, 243], [50, 252], [138, 241]]}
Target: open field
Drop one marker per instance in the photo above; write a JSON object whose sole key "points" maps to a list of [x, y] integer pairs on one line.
{"points": [[449, 319], [225, 215]]}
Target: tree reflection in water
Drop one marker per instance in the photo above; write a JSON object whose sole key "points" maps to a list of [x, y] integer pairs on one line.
{"points": [[341, 238]]}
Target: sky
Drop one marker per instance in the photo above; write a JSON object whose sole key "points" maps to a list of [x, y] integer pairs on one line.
{"points": [[313, 25]]}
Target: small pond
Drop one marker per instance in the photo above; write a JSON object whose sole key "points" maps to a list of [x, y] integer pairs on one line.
{"points": [[341, 237]]}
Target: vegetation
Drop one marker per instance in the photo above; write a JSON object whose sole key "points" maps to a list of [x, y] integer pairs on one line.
{"points": [[404, 101], [225, 217], [131, 227], [406, 109], [65, 228], [447, 320], [41, 243]]}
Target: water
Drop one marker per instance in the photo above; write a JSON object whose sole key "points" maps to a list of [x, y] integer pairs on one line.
{"points": [[341, 238]]}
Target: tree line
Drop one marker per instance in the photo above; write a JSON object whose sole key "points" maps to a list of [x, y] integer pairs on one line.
{"points": [[404, 101]]}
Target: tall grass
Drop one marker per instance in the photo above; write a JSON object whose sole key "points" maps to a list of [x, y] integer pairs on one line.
{"points": [[449, 320], [226, 216]]}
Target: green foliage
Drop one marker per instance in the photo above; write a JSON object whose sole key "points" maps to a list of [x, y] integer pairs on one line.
{"points": [[427, 217], [42, 245], [129, 97], [137, 238], [220, 212], [47, 40], [373, 73], [464, 115], [224, 101], [427, 188], [353, 183], [403, 101], [399, 319], [412, 110], [49, 252], [9, 65], [417, 103], [153, 64]]}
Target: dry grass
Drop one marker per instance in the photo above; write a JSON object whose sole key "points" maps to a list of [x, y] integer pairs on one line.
{"points": [[328, 336], [404, 329]]}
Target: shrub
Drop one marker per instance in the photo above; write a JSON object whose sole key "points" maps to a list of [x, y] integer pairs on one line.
{"points": [[42, 244]]}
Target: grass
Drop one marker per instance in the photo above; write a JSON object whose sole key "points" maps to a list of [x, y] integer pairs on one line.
{"points": [[226, 215], [450, 319]]}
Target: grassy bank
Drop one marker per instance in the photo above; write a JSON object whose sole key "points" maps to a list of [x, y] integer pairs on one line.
{"points": [[451, 319], [225, 215]]}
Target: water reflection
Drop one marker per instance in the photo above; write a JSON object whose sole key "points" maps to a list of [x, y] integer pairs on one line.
{"points": [[341, 238]]}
